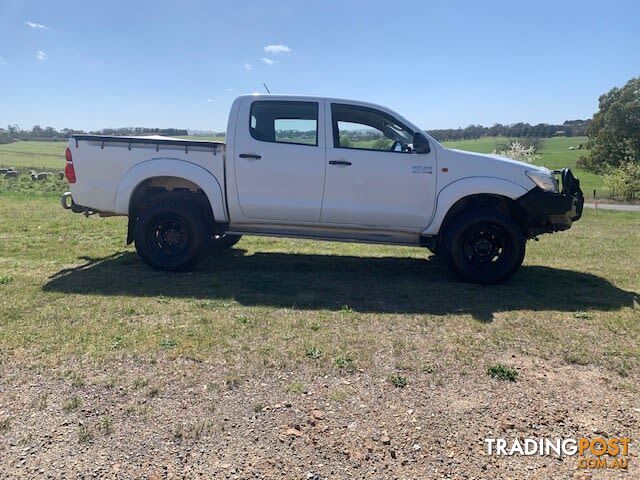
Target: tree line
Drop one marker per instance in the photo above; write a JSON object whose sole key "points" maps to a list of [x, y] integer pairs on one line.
{"points": [[13, 132], [569, 128]]}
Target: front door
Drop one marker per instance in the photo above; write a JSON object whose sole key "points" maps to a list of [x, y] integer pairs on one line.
{"points": [[280, 160], [373, 177]]}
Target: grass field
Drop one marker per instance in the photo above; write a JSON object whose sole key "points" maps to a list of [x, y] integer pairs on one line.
{"points": [[39, 155], [286, 358], [43, 155], [555, 154], [72, 288]]}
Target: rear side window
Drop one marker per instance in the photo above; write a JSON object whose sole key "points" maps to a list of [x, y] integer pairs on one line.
{"points": [[284, 122]]}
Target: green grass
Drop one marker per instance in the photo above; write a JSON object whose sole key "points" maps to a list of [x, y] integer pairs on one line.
{"points": [[555, 154], [398, 380], [78, 292], [52, 185], [502, 372], [37, 155], [46, 155]]}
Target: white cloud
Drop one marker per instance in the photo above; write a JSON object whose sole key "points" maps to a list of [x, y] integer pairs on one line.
{"points": [[248, 66], [277, 49], [209, 100], [2, 61], [36, 25], [268, 61], [41, 55]]}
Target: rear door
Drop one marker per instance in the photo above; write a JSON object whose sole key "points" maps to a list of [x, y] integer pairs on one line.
{"points": [[374, 178], [280, 159]]}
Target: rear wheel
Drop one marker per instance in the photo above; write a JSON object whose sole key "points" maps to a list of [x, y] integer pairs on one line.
{"points": [[171, 235], [484, 246]]}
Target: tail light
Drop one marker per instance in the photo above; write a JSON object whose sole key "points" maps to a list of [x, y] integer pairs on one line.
{"points": [[69, 171]]}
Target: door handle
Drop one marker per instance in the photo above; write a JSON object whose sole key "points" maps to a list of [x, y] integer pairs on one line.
{"points": [[339, 162], [250, 155]]}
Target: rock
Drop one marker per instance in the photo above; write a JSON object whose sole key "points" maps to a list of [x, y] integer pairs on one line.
{"points": [[385, 440], [293, 432], [417, 447], [317, 414], [507, 425], [583, 476]]}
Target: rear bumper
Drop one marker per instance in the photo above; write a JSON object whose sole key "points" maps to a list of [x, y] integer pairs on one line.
{"points": [[67, 202], [546, 212]]}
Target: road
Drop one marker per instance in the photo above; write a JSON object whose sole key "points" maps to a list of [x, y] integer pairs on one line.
{"points": [[607, 206]]}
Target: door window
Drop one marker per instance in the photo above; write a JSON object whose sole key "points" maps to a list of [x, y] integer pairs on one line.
{"points": [[365, 128], [284, 122]]}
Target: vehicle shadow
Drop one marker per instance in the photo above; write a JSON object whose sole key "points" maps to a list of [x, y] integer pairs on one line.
{"points": [[364, 284]]}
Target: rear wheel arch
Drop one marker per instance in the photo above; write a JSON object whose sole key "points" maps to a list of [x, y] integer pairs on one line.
{"points": [[158, 189], [170, 173]]}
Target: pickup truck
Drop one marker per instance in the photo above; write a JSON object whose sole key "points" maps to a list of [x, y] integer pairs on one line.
{"points": [[324, 169]]}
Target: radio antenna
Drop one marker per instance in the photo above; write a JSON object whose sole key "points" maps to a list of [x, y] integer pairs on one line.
{"points": [[266, 88]]}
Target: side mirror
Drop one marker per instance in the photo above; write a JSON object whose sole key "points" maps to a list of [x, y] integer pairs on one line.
{"points": [[420, 143]]}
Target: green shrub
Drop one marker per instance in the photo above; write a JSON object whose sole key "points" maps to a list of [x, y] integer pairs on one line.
{"points": [[399, 381], [624, 180], [502, 372]]}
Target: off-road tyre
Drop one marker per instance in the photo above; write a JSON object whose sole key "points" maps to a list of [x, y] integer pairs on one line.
{"points": [[171, 234], [483, 246]]}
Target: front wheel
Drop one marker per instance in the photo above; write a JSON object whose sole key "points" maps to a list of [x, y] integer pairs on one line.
{"points": [[484, 246], [171, 235]]}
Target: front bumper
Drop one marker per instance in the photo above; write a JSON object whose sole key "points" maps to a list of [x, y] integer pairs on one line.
{"points": [[546, 212]]}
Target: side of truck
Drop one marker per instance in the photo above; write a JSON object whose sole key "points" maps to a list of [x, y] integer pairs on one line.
{"points": [[319, 168]]}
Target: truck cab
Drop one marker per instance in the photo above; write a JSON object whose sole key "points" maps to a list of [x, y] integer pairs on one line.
{"points": [[295, 164], [321, 168]]}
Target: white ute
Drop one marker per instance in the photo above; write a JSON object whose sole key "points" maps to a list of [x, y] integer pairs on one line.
{"points": [[324, 169]]}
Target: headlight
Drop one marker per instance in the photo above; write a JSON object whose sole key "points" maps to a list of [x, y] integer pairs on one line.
{"points": [[546, 182]]}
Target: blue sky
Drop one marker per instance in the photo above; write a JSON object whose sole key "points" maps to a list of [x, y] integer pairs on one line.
{"points": [[441, 64]]}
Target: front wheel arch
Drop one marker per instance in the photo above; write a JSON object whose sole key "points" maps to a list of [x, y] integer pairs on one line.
{"points": [[500, 203]]}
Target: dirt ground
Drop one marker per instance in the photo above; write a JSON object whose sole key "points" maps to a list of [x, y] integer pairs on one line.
{"points": [[180, 418]]}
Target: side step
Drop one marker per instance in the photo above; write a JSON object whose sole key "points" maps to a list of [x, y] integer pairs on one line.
{"points": [[391, 238]]}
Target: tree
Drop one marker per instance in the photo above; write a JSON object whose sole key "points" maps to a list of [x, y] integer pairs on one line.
{"points": [[382, 143], [614, 133], [5, 136], [517, 151], [623, 180], [345, 141]]}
